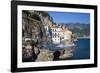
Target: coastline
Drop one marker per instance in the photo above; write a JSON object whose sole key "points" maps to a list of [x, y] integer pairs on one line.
{"points": [[83, 37]]}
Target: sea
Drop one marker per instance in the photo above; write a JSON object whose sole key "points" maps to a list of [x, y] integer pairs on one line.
{"points": [[82, 50]]}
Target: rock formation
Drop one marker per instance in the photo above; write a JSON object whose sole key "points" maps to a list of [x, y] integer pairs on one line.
{"points": [[35, 28]]}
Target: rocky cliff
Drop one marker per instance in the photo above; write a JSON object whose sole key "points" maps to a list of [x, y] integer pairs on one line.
{"points": [[34, 36]]}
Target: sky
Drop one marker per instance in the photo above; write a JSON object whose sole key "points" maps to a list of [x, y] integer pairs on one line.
{"points": [[70, 17]]}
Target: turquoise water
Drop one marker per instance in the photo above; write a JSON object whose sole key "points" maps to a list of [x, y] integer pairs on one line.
{"points": [[82, 51]]}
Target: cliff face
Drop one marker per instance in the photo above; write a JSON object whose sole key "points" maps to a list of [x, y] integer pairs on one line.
{"points": [[35, 28]]}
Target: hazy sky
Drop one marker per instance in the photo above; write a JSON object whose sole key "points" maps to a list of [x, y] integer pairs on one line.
{"points": [[69, 17]]}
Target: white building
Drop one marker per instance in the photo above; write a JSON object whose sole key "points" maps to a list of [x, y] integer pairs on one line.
{"points": [[56, 32], [60, 34], [46, 28]]}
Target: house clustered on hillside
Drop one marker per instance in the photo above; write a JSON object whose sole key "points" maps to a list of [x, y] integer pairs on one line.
{"points": [[59, 34]]}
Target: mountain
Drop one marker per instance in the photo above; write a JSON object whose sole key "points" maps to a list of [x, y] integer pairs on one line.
{"points": [[81, 30]]}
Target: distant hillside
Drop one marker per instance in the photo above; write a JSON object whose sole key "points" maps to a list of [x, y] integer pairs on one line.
{"points": [[81, 30]]}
